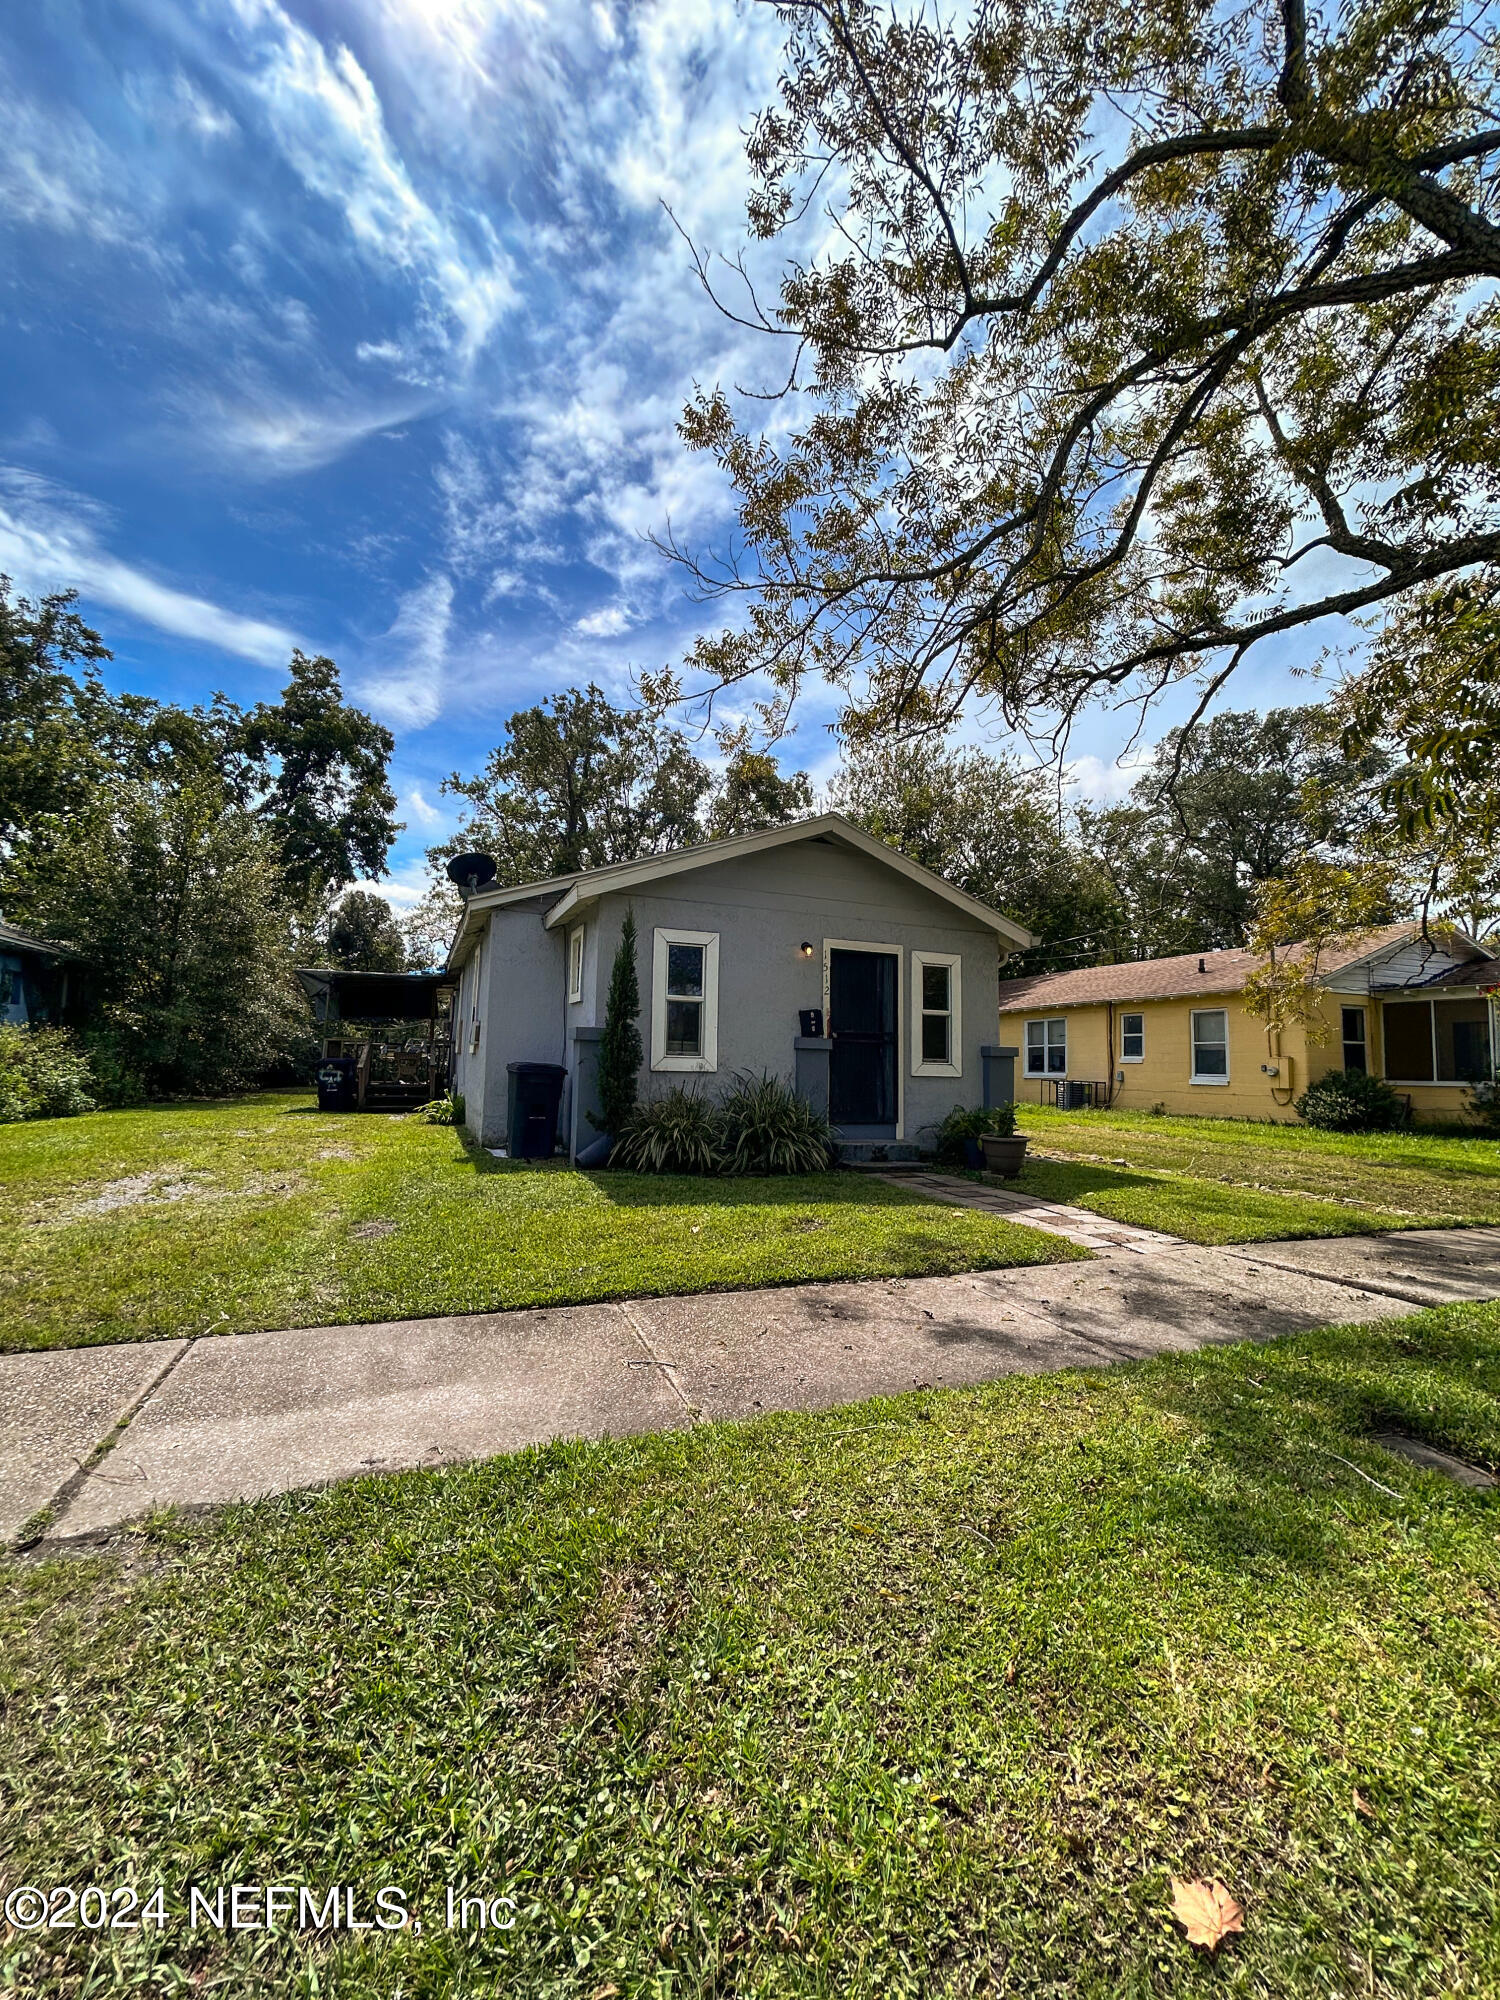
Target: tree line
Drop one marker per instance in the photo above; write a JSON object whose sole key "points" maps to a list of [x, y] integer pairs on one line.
{"points": [[193, 856], [196, 856]]}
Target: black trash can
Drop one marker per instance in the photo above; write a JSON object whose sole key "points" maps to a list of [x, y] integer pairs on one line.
{"points": [[533, 1095], [338, 1083]]}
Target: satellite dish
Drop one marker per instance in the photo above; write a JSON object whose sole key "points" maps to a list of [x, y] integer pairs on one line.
{"points": [[471, 871]]}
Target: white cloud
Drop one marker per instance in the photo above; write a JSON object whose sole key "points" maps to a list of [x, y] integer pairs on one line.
{"points": [[48, 541], [404, 680], [275, 436], [1091, 780], [330, 126], [606, 623], [417, 808]]}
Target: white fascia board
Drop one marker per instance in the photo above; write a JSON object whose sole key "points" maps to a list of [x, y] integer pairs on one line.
{"points": [[633, 875]]}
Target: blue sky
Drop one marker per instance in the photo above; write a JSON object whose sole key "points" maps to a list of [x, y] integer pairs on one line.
{"points": [[361, 326]]}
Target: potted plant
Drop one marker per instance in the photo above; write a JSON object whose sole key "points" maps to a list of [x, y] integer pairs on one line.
{"points": [[1004, 1148]]}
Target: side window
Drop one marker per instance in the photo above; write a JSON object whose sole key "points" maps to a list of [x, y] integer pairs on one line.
{"points": [[1046, 1048], [937, 1029], [1211, 1045], [575, 963], [685, 1000], [1356, 1049], [1132, 1037]]}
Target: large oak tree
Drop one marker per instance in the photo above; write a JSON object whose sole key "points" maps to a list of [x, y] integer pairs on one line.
{"points": [[1140, 333]]}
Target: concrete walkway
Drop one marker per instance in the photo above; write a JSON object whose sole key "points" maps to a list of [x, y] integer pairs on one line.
{"points": [[1055, 1218], [234, 1416]]}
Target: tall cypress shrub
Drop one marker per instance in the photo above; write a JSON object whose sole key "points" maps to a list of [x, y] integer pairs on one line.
{"points": [[620, 1049]]}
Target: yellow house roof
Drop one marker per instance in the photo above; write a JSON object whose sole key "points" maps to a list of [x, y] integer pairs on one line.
{"points": [[1207, 972]]}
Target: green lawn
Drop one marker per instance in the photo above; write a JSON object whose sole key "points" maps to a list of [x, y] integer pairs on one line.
{"points": [[263, 1213], [926, 1696], [1220, 1180]]}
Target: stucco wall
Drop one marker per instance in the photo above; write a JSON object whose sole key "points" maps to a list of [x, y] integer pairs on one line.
{"points": [[521, 1003], [763, 907]]}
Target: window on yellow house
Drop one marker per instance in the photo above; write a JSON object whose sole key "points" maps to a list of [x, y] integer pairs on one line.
{"points": [[1356, 1050], [1132, 1038], [1210, 1045], [1047, 1048]]}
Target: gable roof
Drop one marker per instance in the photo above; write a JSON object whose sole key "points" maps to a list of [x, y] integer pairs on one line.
{"points": [[13, 940], [564, 895], [1208, 973]]}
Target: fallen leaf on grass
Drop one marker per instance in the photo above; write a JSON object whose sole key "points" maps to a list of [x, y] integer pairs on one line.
{"points": [[1206, 1911], [1362, 1805], [604, 1993]]}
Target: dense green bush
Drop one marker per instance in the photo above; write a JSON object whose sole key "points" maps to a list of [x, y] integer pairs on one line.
{"points": [[766, 1128], [445, 1110], [962, 1125], [1347, 1100], [676, 1133], [43, 1074]]}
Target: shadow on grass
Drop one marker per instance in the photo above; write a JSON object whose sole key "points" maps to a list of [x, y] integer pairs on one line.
{"points": [[638, 1190]]}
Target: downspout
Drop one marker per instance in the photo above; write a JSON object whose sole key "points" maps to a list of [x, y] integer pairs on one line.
{"points": [[1109, 1050]]}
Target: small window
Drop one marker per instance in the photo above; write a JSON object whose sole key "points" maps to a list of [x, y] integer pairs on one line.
{"points": [[1211, 1046], [1132, 1038], [575, 964], [1356, 1049], [684, 1001], [1047, 1048], [937, 1033]]}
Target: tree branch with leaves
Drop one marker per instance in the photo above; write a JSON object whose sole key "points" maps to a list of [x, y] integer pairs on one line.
{"points": [[1121, 311]]}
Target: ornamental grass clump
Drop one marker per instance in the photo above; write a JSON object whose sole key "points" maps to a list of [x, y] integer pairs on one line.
{"points": [[676, 1133], [766, 1128]]}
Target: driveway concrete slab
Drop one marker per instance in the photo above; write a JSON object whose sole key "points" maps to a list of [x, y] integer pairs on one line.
{"points": [[257, 1413], [56, 1408], [1426, 1267]]}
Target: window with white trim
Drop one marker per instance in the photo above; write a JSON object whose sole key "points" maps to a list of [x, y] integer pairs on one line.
{"points": [[1047, 1047], [477, 963], [1210, 1045], [1132, 1038], [936, 1014], [685, 1000], [575, 963]]}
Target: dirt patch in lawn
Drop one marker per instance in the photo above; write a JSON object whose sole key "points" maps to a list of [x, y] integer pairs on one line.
{"points": [[159, 1188]]}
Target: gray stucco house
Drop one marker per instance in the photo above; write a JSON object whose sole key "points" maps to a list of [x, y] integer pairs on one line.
{"points": [[738, 941]]}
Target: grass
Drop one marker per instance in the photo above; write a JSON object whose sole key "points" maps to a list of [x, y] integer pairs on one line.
{"points": [[929, 1696], [263, 1213], [1220, 1180]]}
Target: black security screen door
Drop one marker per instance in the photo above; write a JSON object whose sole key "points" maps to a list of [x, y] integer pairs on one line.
{"points": [[862, 1022]]}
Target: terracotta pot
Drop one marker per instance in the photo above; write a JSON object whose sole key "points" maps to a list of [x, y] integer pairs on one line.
{"points": [[1004, 1156]]}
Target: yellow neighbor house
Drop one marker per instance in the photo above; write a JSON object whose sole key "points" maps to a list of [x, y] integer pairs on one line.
{"points": [[1423, 1012]]}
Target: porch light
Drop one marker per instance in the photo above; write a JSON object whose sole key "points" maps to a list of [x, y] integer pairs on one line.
{"points": [[805, 948]]}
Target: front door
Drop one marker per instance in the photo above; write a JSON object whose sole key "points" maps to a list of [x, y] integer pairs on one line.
{"points": [[862, 1024]]}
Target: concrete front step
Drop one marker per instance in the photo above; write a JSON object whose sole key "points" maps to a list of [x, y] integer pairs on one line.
{"points": [[877, 1153]]}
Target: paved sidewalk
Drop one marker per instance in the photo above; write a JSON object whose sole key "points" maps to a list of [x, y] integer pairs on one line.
{"points": [[235, 1416], [1056, 1218]]}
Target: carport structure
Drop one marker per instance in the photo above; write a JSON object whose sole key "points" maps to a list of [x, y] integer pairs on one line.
{"points": [[386, 1035]]}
